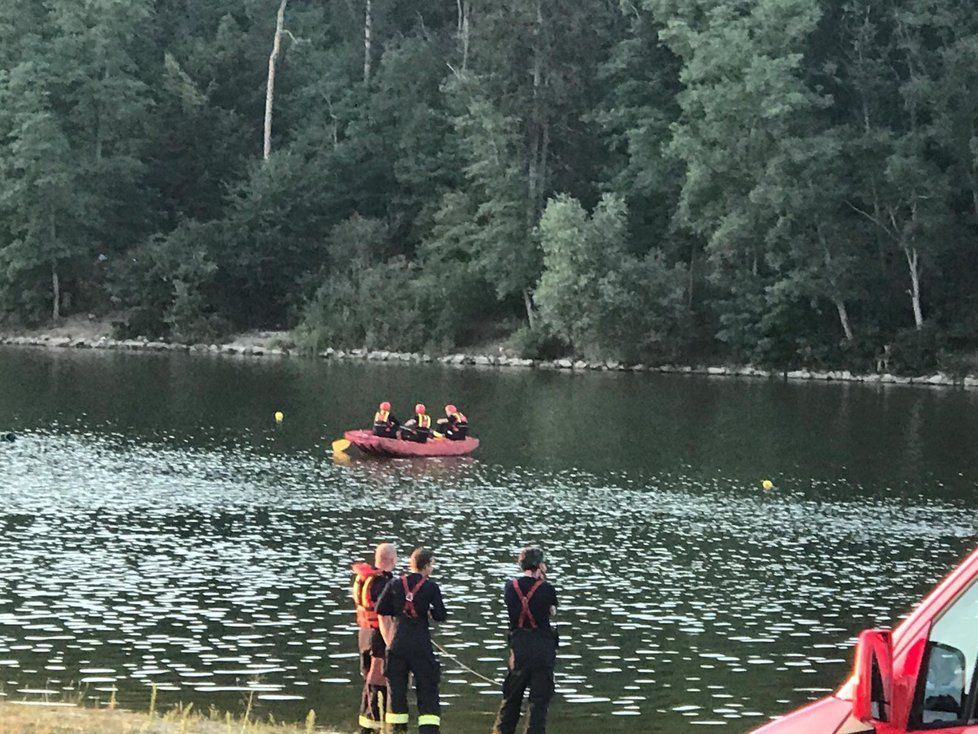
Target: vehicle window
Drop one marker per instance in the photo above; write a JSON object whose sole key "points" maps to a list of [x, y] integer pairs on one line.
{"points": [[879, 704], [947, 693]]}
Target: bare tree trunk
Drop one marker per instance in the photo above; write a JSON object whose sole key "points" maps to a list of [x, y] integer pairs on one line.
{"points": [[528, 303], [368, 30], [533, 167], [270, 89], [336, 123], [913, 262], [544, 164], [99, 127], [974, 196], [55, 293], [840, 306], [55, 280], [464, 8]]}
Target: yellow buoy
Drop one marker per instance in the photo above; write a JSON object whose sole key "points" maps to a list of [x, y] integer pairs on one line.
{"points": [[279, 416], [768, 485]]}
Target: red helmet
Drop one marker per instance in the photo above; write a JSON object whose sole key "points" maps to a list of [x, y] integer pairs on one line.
{"points": [[450, 410], [419, 408], [385, 406]]}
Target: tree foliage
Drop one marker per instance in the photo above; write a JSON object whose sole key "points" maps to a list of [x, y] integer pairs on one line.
{"points": [[783, 181]]}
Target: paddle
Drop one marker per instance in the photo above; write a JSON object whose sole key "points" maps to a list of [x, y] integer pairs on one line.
{"points": [[340, 445]]}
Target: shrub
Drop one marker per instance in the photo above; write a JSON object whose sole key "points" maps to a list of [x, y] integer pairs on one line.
{"points": [[915, 352], [538, 343], [374, 307]]}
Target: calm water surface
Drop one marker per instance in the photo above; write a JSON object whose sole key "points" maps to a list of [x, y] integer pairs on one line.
{"points": [[157, 528]]}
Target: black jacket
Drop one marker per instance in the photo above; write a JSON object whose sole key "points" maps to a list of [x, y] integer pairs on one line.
{"points": [[427, 603]]}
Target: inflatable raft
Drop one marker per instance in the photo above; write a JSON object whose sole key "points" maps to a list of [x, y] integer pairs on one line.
{"points": [[367, 442]]}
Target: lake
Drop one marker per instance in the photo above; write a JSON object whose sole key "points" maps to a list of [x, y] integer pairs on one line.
{"points": [[158, 528]]}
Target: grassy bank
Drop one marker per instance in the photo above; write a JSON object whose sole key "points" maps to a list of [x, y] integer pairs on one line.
{"points": [[69, 719]]}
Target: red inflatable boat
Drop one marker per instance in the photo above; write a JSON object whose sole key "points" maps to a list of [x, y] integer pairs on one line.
{"points": [[367, 442]]}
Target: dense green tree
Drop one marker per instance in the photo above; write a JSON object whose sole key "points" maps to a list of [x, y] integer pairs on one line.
{"points": [[44, 213], [599, 298], [784, 181]]}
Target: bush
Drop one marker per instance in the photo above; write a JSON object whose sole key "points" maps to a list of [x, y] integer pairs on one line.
{"points": [[190, 320], [538, 343], [603, 301], [375, 307], [915, 352]]}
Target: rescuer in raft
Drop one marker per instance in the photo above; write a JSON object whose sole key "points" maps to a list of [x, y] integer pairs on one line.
{"points": [[368, 585], [412, 600], [530, 602], [454, 426], [418, 428], [385, 424]]}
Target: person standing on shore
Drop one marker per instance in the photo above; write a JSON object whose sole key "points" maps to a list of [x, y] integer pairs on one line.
{"points": [[530, 603], [412, 600], [368, 585]]}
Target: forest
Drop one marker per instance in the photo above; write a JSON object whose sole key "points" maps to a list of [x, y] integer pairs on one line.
{"points": [[779, 182]]}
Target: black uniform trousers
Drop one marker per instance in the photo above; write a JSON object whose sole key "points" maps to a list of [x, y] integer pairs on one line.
{"points": [[532, 658], [413, 655], [373, 700]]}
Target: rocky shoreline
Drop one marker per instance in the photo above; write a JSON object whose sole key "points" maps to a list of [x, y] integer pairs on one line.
{"points": [[268, 349]]}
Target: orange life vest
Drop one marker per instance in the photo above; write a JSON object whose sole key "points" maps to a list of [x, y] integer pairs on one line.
{"points": [[382, 417], [459, 418], [366, 575], [424, 420]]}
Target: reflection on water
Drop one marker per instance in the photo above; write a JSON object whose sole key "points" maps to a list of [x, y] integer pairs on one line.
{"points": [[219, 568]]}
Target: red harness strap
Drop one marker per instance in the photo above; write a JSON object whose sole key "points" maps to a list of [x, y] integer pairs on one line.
{"points": [[409, 610], [525, 614]]}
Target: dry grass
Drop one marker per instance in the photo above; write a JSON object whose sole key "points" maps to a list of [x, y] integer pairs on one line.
{"points": [[69, 719]]}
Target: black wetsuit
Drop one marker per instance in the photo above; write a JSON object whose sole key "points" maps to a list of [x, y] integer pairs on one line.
{"points": [[454, 427], [388, 428], [411, 650], [533, 655], [413, 430]]}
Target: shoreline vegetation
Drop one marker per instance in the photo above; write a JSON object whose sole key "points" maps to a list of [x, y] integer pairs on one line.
{"points": [[638, 181], [280, 344], [68, 718]]}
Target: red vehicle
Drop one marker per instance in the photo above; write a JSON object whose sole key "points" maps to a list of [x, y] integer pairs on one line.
{"points": [[922, 676]]}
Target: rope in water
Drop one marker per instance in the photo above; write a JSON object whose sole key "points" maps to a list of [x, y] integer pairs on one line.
{"points": [[476, 673]]}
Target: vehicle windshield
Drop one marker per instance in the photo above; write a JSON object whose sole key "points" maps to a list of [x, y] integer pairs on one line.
{"points": [[951, 661]]}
